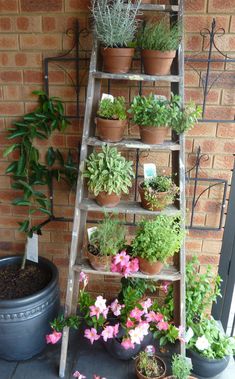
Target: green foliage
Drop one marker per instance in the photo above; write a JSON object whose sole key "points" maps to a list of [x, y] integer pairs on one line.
{"points": [[140, 285], [160, 36], [155, 111], [149, 366], [27, 171], [115, 22], [112, 109], [181, 367], [158, 239], [108, 171], [109, 237]]}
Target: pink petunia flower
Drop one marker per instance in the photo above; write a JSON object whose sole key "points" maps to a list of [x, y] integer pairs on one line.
{"points": [[151, 316], [116, 307], [83, 278], [98, 377], [129, 323], [94, 311], [163, 325], [146, 304], [122, 258], [91, 334], [144, 327], [115, 330], [78, 375], [159, 317], [136, 313], [134, 265], [53, 337], [101, 303], [127, 344], [107, 333], [115, 268], [164, 286], [136, 335]]}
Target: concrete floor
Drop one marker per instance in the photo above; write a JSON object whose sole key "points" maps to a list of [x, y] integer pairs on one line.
{"points": [[83, 357]]}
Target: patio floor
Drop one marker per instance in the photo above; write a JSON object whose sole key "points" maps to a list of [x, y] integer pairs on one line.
{"points": [[83, 357]]}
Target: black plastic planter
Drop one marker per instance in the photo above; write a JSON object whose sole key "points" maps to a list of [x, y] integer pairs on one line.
{"points": [[207, 368], [24, 322]]}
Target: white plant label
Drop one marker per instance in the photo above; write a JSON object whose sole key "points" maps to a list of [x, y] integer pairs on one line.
{"points": [[150, 171], [160, 97], [90, 231], [32, 248], [107, 96], [189, 334]]}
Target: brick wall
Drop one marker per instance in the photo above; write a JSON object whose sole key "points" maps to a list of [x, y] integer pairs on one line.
{"points": [[31, 30]]}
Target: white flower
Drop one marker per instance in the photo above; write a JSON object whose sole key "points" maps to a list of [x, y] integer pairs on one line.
{"points": [[101, 303], [202, 343]]}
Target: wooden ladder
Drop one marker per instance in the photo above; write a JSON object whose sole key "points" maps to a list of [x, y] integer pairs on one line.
{"points": [[83, 204]]}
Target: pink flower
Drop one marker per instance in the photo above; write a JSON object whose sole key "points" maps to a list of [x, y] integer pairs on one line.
{"points": [[181, 335], [83, 278], [98, 377], [127, 344], [146, 304], [91, 334], [121, 258], [107, 333], [163, 325], [134, 265], [129, 323], [77, 374], [159, 317], [53, 337], [137, 335], [115, 268], [136, 313], [151, 316], [126, 270], [115, 329], [94, 311], [101, 303], [116, 307], [144, 327], [164, 286]]}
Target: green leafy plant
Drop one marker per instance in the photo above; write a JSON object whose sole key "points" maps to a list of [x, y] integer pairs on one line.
{"points": [[160, 36], [158, 239], [149, 366], [158, 184], [181, 367], [108, 171], [112, 109], [109, 236], [115, 22], [183, 119], [29, 171]]}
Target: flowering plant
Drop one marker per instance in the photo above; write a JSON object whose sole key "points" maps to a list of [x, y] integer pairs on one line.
{"points": [[124, 264]]}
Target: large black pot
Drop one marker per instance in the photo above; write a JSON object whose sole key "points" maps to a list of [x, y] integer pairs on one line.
{"points": [[207, 368], [24, 322]]}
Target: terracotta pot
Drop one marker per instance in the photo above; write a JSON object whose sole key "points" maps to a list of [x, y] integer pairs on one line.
{"points": [[117, 60], [106, 200], [157, 62], [110, 130], [149, 268], [99, 262], [153, 135], [161, 197], [141, 376]]}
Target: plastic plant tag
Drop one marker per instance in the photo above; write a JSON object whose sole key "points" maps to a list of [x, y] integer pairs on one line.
{"points": [[150, 170], [160, 97], [90, 231], [32, 248], [107, 96], [189, 334]]}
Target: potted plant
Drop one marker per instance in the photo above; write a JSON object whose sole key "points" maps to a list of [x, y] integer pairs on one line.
{"points": [[105, 242], [155, 241], [109, 174], [181, 368], [30, 291], [157, 193], [158, 42], [111, 119], [183, 119], [115, 25], [149, 366]]}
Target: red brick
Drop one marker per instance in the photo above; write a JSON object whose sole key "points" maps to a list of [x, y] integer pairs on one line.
{"points": [[195, 23], [6, 235], [224, 161], [191, 78], [228, 97], [203, 65], [12, 92], [33, 76], [56, 77], [8, 42], [226, 130], [193, 245], [41, 6], [5, 24], [10, 77], [229, 147], [218, 112], [218, 6], [40, 42], [77, 5], [196, 95], [211, 246], [232, 26], [203, 130], [59, 23], [209, 259], [193, 42], [192, 6], [8, 6], [11, 109], [30, 24]]}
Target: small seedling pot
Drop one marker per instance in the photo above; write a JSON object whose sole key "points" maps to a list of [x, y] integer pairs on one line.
{"points": [[141, 376]]}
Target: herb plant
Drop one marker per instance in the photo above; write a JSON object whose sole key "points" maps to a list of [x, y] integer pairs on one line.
{"points": [[158, 239], [109, 236], [115, 22], [149, 365], [112, 109], [181, 367], [160, 36], [183, 119], [108, 171]]}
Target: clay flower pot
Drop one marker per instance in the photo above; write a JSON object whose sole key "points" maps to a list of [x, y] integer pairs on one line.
{"points": [[162, 199], [149, 268], [106, 200], [141, 376], [157, 62], [99, 262], [117, 60], [110, 130], [153, 135]]}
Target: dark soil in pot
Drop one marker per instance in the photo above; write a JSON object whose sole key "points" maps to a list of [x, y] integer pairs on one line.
{"points": [[110, 130], [97, 261], [161, 364], [207, 367]]}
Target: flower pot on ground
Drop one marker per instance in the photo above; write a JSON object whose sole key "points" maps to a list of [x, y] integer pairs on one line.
{"points": [[115, 25], [149, 366], [159, 42], [155, 241], [157, 193], [108, 174], [111, 119], [207, 367], [181, 368], [24, 321], [105, 241]]}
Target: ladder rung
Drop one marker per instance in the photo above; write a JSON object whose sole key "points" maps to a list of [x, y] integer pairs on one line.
{"points": [[158, 7], [130, 207], [135, 144], [136, 76], [168, 273]]}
